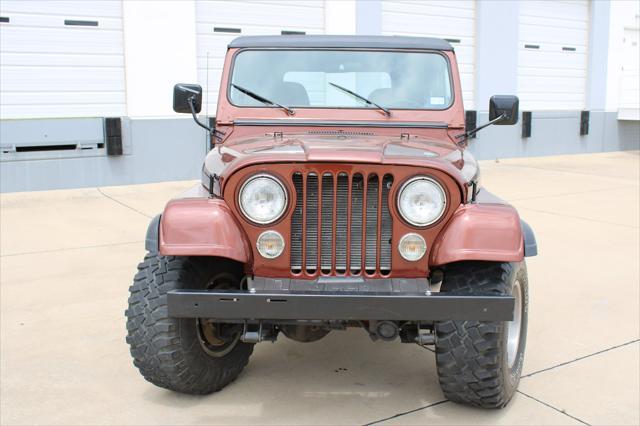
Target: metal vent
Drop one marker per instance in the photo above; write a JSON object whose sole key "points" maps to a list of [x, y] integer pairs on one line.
{"points": [[339, 133], [371, 224], [348, 224], [342, 219], [296, 227], [327, 223], [311, 240]]}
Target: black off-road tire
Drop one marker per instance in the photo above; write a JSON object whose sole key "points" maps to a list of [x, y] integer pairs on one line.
{"points": [[472, 356], [166, 350]]}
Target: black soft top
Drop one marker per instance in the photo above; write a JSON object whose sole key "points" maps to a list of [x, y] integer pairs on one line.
{"points": [[331, 41]]}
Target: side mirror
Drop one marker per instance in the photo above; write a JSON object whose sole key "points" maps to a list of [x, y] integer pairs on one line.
{"points": [[503, 105], [184, 95]]}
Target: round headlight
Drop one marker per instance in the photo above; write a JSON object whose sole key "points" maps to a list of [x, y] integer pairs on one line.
{"points": [[263, 199], [421, 201], [412, 247], [270, 244]]}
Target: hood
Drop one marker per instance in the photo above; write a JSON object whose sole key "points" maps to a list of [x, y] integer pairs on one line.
{"points": [[338, 148]]}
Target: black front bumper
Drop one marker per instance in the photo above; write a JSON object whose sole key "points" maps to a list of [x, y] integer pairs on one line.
{"points": [[286, 305]]}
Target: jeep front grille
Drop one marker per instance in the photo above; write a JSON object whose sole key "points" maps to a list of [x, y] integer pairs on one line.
{"points": [[341, 220]]}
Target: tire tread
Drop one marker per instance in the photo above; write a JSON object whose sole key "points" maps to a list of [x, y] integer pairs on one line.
{"points": [[468, 353], [161, 352]]}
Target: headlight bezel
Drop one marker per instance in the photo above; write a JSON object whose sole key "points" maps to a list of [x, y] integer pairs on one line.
{"points": [[439, 186], [285, 204], [404, 255], [279, 236]]}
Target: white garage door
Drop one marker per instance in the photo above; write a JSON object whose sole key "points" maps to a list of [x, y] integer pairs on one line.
{"points": [[219, 22], [552, 56], [629, 101], [61, 59], [451, 20]]}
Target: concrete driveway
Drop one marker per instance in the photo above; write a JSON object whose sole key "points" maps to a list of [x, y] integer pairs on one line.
{"points": [[68, 258]]}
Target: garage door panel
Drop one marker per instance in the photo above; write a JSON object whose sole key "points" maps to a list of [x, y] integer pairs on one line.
{"points": [[466, 79], [552, 72], [207, 30], [553, 83], [50, 69], [465, 56], [64, 111], [569, 10], [552, 60], [554, 22], [60, 40], [434, 26], [552, 54], [54, 98], [56, 60], [56, 21], [537, 95], [296, 3], [87, 8], [560, 36], [233, 13], [460, 8], [555, 102], [629, 94], [61, 79]]}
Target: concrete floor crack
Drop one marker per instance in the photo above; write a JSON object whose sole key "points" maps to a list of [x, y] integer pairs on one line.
{"points": [[552, 407], [71, 248], [581, 358], [123, 204], [395, 416]]}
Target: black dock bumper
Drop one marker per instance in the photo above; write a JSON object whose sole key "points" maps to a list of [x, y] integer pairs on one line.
{"points": [[245, 305]]}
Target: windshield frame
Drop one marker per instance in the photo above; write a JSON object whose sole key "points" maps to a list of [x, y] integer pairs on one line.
{"points": [[426, 51]]}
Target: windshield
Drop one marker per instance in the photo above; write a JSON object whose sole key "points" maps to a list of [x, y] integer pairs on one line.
{"points": [[301, 78]]}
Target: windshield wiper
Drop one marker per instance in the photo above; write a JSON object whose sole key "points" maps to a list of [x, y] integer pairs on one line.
{"points": [[262, 99], [362, 98]]}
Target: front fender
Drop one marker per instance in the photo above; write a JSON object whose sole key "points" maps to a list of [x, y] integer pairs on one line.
{"points": [[490, 232], [202, 227]]}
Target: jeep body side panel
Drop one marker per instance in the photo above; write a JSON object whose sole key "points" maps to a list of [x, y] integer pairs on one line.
{"points": [[489, 232], [202, 227]]}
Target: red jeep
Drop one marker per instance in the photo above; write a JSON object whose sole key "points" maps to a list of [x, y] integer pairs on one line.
{"points": [[337, 193]]}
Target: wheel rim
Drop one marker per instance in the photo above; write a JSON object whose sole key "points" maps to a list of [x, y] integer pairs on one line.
{"points": [[218, 339], [515, 327]]}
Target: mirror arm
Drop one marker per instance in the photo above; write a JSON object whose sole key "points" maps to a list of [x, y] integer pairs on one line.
{"points": [[464, 136], [192, 102]]}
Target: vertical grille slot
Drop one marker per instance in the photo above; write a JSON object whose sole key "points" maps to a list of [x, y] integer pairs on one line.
{"points": [[296, 227], [342, 205], [386, 232], [327, 223], [371, 238], [311, 243], [341, 223], [357, 193]]}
